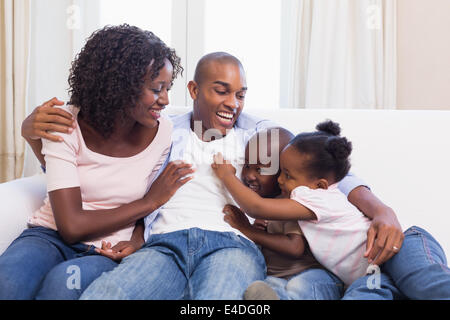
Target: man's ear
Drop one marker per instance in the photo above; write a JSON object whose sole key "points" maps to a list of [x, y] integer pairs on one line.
{"points": [[322, 184], [193, 89]]}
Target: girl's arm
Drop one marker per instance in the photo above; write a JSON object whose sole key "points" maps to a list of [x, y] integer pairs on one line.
{"points": [[76, 224], [265, 208], [291, 245], [254, 205]]}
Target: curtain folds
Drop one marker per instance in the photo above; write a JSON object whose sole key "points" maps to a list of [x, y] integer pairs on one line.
{"points": [[344, 54], [14, 57]]}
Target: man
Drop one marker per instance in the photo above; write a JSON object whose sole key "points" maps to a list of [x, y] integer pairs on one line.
{"points": [[190, 252]]}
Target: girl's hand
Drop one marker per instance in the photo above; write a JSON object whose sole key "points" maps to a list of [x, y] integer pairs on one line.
{"points": [[168, 182], [119, 251], [236, 218], [48, 118], [222, 167]]}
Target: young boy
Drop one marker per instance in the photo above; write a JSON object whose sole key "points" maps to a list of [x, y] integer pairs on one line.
{"points": [[293, 272]]}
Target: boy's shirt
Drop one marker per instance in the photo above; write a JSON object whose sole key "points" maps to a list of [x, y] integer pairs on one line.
{"points": [[282, 266]]}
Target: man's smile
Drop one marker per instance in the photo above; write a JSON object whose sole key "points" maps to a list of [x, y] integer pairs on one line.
{"points": [[225, 118]]}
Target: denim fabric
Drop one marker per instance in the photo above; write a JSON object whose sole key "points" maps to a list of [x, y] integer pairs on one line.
{"points": [[38, 264], [311, 284], [360, 290], [185, 264], [418, 271]]}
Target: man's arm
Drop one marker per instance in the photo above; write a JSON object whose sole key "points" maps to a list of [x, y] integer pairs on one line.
{"points": [[385, 232], [36, 147]]}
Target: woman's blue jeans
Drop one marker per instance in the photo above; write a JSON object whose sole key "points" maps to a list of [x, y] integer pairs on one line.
{"points": [[40, 265], [186, 264], [418, 271]]}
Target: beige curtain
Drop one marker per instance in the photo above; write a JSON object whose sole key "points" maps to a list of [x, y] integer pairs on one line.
{"points": [[14, 53], [343, 54]]}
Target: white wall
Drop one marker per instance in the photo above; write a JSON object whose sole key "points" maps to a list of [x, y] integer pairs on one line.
{"points": [[51, 51], [50, 56], [423, 49]]}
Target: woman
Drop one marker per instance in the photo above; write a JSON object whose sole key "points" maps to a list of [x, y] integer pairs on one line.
{"points": [[98, 179]]}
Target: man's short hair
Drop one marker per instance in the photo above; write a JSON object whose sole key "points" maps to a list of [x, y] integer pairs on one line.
{"points": [[221, 57]]}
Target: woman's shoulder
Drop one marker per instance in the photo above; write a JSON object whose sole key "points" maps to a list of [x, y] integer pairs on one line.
{"points": [[71, 140], [165, 129], [73, 110], [166, 124]]}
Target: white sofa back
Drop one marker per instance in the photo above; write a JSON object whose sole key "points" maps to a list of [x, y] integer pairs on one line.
{"points": [[403, 156]]}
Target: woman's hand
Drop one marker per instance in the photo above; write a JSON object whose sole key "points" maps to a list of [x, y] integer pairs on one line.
{"points": [[120, 250], [168, 182], [236, 218], [48, 118], [222, 167]]}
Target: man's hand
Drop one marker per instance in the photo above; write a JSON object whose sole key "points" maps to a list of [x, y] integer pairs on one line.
{"points": [[47, 118], [120, 250], [384, 237], [236, 218], [222, 167]]}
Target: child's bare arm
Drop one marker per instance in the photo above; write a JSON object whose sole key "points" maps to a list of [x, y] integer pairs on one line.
{"points": [[253, 204], [291, 245]]}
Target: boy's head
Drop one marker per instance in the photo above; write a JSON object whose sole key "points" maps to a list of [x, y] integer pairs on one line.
{"points": [[315, 159], [262, 154], [218, 91]]}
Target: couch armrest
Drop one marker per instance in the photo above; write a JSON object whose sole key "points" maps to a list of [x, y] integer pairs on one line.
{"points": [[19, 199]]}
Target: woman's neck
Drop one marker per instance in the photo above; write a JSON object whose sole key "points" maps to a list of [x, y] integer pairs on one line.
{"points": [[122, 131], [128, 138]]}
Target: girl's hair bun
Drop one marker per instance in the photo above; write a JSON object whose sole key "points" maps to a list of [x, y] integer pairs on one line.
{"points": [[339, 147], [329, 127]]}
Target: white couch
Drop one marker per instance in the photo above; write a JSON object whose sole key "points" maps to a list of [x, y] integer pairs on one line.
{"points": [[403, 155]]}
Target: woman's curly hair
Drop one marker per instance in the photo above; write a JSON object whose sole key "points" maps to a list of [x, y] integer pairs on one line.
{"points": [[108, 75]]}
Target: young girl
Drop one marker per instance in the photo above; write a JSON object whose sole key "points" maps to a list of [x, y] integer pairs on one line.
{"points": [[292, 271], [311, 166]]}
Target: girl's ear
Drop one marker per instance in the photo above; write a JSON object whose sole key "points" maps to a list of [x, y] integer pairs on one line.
{"points": [[322, 184]]}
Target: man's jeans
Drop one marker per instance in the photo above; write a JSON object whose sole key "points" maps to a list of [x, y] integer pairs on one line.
{"points": [[39, 265], [418, 271], [311, 284], [189, 264]]}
